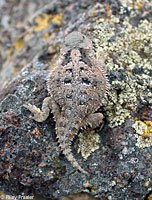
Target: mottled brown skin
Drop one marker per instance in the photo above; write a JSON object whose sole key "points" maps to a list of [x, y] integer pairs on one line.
{"points": [[77, 87]]}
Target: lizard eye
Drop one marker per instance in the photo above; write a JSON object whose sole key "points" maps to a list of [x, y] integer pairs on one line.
{"points": [[67, 81], [86, 81]]}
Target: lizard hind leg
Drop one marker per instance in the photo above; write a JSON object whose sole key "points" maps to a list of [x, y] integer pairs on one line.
{"points": [[93, 120]]}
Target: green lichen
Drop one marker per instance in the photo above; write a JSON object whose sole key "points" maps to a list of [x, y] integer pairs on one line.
{"points": [[88, 142], [127, 50]]}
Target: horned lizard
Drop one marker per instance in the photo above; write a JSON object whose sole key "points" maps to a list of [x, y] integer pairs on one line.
{"points": [[77, 86]]}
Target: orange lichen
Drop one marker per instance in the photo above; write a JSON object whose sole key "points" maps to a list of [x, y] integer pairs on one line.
{"points": [[149, 124], [150, 197], [139, 5], [87, 184], [143, 133]]}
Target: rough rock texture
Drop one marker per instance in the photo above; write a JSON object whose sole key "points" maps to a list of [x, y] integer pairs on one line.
{"points": [[39, 32], [30, 162]]}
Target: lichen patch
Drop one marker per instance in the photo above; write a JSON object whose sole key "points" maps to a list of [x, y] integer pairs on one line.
{"points": [[88, 142], [143, 133], [127, 50]]}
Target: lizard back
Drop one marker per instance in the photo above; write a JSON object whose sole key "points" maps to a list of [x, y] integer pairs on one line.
{"points": [[78, 85]]}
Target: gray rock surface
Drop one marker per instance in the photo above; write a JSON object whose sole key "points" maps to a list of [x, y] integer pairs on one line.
{"points": [[30, 161]]}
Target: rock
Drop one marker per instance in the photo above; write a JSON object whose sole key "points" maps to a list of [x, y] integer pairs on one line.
{"points": [[30, 161]]}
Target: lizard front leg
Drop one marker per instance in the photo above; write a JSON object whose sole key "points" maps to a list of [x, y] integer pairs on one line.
{"points": [[40, 115]]}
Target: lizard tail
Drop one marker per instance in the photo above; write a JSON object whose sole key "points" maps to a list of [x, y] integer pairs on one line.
{"points": [[65, 136]]}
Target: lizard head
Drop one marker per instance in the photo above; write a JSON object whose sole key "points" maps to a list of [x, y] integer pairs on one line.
{"points": [[76, 40]]}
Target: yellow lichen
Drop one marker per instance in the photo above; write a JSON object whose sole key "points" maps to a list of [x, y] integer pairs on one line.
{"points": [[107, 8], [87, 184], [57, 18], [47, 35], [9, 52], [93, 190], [143, 133], [42, 21], [19, 43]]}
